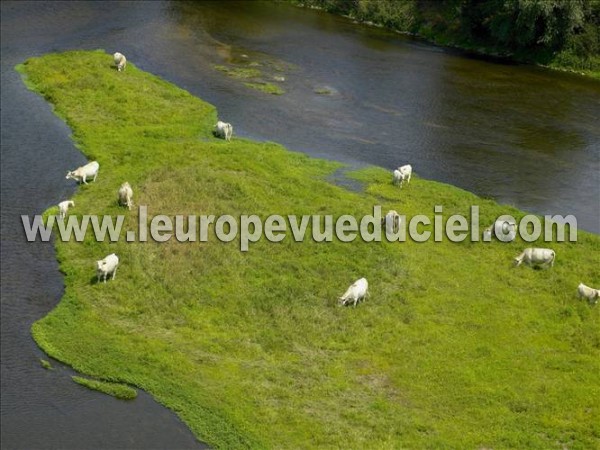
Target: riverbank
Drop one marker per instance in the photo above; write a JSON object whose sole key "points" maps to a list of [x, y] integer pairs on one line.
{"points": [[250, 349], [491, 32]]}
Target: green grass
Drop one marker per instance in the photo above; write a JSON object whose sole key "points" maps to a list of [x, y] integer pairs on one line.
{"points": [[117, 390], [455, 348], [570, 62]]}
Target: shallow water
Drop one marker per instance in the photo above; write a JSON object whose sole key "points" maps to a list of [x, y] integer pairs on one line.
{"points": [[525, 136]]}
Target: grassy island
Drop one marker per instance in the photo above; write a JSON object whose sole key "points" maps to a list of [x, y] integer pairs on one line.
{"points": [[454, 348]]}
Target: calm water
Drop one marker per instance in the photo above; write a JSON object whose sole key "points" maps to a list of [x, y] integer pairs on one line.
{"points": [[525, 136]]}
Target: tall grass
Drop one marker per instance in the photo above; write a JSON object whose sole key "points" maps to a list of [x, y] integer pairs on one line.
{"points": [[455, 348]]}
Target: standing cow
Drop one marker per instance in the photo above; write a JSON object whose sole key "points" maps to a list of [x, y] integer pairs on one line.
{"points": [[106, 267], [223, 130], [82, 173], [120, 61], [126, 195], [356, 292], [63, 207], [592, 295], [536, 257], [406, 172], [391, 221]]}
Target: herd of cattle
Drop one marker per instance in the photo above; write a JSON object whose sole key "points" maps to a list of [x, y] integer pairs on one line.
{"points": [[359, 290]]}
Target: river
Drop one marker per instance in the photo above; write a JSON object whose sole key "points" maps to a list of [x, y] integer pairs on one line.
{"points": [[525, 136]]}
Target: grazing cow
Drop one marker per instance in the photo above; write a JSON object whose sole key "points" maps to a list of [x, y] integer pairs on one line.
{"points": [[397, 177], [81, 173], [120, 61], [592, 295], [536, 257], [63, 207], [223, 130], [391, 222], [506, 228], [406, 172], [358, 291], [107, 266], [487, 234], [125, 195]]}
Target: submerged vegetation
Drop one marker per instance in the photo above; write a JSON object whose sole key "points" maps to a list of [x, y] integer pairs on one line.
{"points": [[268, 88], [454, 348], [239, 72], [323, 91], [117, 390], [562, 34], [46, 364], [254, 74]]}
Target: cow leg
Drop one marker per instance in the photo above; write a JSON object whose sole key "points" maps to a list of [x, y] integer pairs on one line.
{"points": [[114, 273]]}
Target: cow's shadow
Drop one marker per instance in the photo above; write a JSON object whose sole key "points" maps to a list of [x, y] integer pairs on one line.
{"points": [[94, 280]]}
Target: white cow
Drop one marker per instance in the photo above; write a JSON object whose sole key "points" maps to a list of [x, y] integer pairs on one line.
{"points": [[397, 177], [505, 227], [358, 291], [406, 172], [591, 294], [63, 207], [107, 266], [82, 173], [391, 222], [536, 257], [120, 61], [487, 234], [126, 195], [223, 130]]}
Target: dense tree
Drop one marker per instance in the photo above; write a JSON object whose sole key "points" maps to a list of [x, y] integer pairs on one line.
{"points": [[524, 24]]}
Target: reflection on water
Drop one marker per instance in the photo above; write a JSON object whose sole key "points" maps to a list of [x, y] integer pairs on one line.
{"points": [[523, 135]]}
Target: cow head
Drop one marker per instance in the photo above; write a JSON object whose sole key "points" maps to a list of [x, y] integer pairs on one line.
{"points": [[517, 261]]}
